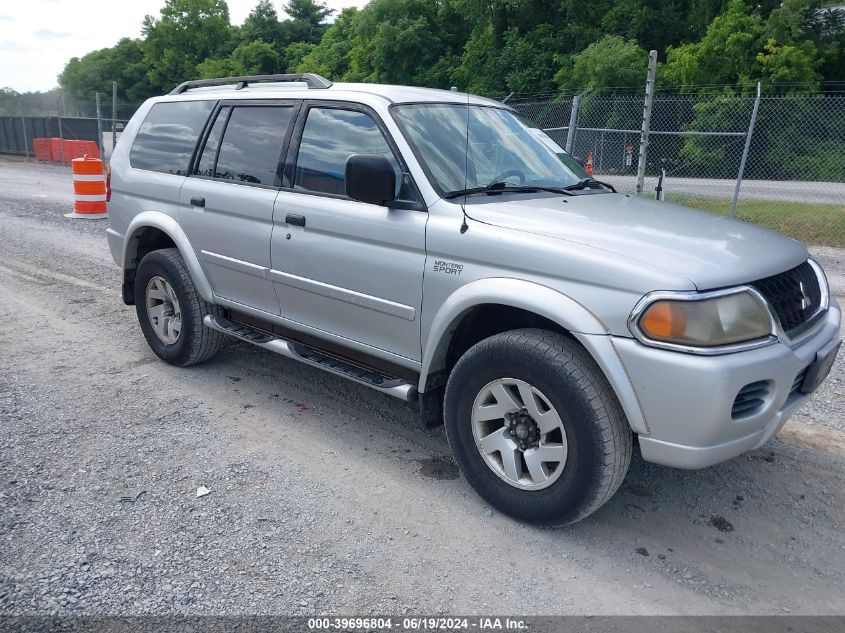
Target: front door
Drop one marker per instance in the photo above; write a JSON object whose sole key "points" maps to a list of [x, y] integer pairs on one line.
{"points": [[227, 202], [345, 267]]}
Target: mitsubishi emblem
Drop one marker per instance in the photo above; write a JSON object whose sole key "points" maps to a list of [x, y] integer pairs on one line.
{"points": [[805, 300]]}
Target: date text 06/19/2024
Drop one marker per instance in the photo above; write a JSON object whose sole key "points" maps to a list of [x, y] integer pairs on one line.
{"points": [[417, 624]]}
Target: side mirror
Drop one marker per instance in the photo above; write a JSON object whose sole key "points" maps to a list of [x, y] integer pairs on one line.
{"points": [[370, 178]]}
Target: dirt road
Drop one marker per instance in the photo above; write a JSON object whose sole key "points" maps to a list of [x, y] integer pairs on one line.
{"points": [[327, 497]]}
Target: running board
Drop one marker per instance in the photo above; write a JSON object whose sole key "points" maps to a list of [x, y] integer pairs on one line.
{"points": [[372, 378]]}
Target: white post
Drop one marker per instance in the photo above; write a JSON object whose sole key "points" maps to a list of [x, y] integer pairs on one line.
{"points": [[745, 152], [573, 120], [23, 129], [113, 115], [649, 97], [99, 127]]}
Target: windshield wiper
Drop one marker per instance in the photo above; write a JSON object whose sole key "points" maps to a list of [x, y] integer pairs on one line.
{"points": [[587, 183], [501, 187]]}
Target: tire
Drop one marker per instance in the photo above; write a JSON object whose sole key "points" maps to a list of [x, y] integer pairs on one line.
{"points": [[194, 343], [592, 440]]}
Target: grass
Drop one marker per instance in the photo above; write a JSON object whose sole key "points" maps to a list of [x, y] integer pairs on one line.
{"points": [[820, 224]]}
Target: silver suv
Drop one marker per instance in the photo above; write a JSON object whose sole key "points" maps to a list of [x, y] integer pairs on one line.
{"points": [[435, 247]]}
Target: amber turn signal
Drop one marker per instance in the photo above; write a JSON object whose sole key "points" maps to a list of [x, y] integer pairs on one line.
{"points": [[664, 320]]}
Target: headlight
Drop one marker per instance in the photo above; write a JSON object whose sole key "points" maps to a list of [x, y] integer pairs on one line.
{"points": [[714, 321]]}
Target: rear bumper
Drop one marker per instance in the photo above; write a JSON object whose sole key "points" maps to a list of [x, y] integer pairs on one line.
{"points": [[115, 241], [687, 399]]}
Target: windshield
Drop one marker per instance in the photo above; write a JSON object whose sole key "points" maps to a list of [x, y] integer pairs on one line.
{"points": [[501, 148], [566, 158]]}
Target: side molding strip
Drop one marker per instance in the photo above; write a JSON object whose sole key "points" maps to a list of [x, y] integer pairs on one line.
{"points": [[342, 294], [234, 264], [310, 285]]}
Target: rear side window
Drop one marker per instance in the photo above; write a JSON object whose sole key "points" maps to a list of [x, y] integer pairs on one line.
{"points": [[246, 145], [205, 166], [330, 137], [168, 136], [252, 145]]}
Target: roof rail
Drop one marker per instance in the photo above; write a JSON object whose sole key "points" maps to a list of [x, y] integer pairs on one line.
{"points": [[313, 81]]}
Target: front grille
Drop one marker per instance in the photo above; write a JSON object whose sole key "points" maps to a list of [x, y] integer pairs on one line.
{"points": [[795, 295], [750, 399]]}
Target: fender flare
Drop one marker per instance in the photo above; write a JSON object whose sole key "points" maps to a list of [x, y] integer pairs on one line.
{"points": [[515, 293], [171, 228], [546, 302]]}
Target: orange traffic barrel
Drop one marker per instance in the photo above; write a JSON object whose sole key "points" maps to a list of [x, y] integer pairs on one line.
{"points": [[89, 188]]}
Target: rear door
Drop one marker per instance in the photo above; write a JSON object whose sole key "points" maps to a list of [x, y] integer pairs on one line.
{"points": [[345, 267], [227, 200]]}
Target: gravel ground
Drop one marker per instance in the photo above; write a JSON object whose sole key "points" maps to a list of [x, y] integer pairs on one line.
{"points": [[327, 497]]}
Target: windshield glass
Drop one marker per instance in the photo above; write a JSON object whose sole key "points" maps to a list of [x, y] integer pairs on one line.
{"points": [[501, 148], [567, 159]]}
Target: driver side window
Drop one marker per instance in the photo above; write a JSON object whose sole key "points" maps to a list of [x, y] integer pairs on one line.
{"points": [[330, 136]]}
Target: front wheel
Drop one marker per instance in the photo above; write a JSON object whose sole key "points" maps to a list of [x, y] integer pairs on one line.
{"points": [[536, 428], [170, 311]]}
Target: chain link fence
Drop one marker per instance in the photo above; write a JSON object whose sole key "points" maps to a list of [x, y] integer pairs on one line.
{"points": [[794, 173], [62, 116], [793, 179]]}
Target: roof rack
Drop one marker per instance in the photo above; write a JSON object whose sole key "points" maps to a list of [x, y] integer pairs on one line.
{"points": [[313, 81]]}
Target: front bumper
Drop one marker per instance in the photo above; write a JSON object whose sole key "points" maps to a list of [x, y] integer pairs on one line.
{"points": [[686, 399]]}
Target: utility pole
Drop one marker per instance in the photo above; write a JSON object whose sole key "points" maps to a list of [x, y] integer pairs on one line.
{"points": [[649, 98]]}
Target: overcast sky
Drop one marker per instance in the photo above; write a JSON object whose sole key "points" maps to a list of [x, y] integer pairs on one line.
{"points": [[37, 37]]}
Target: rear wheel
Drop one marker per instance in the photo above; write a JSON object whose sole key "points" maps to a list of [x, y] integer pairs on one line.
{"points": [[536, 428], [170, 311]]}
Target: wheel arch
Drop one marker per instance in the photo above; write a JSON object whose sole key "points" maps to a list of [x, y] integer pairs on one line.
{"points": [[151, 230], [536, 306]]}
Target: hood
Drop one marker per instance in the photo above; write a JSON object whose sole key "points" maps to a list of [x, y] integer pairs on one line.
{"points": [[710, 250]]}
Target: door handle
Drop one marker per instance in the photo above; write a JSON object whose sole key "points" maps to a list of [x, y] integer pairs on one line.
{"points": [[198, 201], [296, 220]]}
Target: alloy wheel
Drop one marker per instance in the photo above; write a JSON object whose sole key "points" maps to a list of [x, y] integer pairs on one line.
{"points": [[519, 434], [163, 310]]}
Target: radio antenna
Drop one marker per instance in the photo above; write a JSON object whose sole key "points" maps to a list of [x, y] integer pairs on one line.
{"points": [[464, 225]]}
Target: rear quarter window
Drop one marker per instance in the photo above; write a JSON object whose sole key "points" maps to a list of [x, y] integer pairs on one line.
{"points": [[167, 137]]}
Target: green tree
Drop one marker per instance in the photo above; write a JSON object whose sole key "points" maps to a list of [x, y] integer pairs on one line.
{"points": [[612, 61], [263, 24], [725, 55], [250, 58], [307, 21], [486, 46], [124, 63], [790, 64], [527, 59], [790, 54], [403, 42], [10, 102], [330, 57], [480, 69], [740, 47], [654, 25], [187, 33], [826, 26], [295, 53], [34, 103]]}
